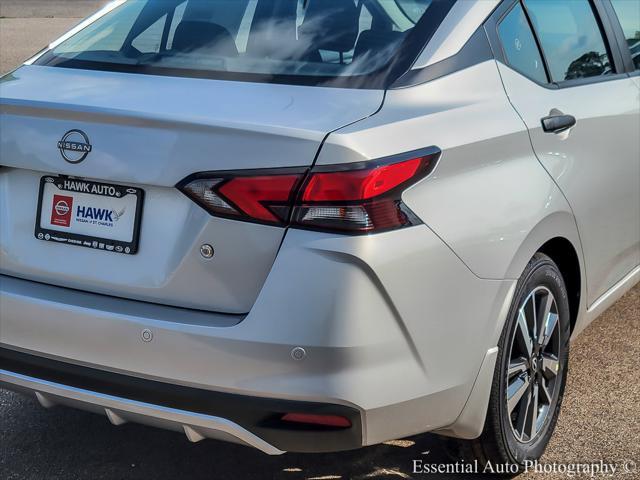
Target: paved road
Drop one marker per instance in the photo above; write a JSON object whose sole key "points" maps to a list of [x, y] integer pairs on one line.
{"points": [[600, 419]]}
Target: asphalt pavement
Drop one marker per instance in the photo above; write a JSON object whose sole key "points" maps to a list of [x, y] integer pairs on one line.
{"points": [[600, 421]]}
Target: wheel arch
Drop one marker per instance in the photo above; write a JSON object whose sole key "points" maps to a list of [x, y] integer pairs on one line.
{"points": [[565, 256], [557, 237]]}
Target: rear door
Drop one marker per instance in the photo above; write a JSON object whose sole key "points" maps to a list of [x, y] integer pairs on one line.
{"points": [[570, 85]]}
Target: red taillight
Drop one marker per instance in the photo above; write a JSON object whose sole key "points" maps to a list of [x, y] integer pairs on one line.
{"points": [[320, 420], [265, 198], [358, 184], [363, 199], [351, 198]]}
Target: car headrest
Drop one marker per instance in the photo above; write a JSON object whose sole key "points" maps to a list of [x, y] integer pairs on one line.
{"points": [[204, 36], [374, 41], [330, 25]]}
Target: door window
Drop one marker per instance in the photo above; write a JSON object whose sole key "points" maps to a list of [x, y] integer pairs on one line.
{"points": [[519, 45], [628, 12], [570, 37]]}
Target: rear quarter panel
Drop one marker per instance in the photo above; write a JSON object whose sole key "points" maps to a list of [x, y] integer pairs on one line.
{"points": [[488, 192], [489, 198]]}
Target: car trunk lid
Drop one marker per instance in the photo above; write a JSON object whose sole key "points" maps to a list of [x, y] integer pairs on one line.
{"points": [[151, 132]]}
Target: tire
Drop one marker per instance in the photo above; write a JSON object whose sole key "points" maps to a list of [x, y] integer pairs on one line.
{"points": [[510, 437]]}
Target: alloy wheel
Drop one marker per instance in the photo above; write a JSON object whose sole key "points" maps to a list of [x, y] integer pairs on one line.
{"points": [[534, 364]]}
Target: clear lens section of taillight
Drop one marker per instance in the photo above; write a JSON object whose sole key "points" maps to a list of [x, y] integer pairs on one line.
{"points": [[203, 191], [369, 217], [356, 198]]}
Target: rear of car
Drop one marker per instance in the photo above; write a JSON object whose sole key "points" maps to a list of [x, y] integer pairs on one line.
{"points": [[154, 164], [294, 225]]}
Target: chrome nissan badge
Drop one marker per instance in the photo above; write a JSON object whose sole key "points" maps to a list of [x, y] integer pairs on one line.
{"points": [[74, 146]]}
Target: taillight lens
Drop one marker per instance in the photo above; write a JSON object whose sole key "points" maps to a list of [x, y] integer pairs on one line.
{"points": [[357, 185], [363, 199], [353, 198], [259, 198]]}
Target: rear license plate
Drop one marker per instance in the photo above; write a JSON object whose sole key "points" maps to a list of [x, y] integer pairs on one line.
{"points": [[89, 214]]}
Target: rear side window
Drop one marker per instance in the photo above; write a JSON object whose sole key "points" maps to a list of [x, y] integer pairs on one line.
{"points": [[519, 45], [628, 12], [570, 37], [301, 38]]}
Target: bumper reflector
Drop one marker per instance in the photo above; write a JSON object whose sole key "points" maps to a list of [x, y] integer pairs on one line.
{"points": [[321, 420]]}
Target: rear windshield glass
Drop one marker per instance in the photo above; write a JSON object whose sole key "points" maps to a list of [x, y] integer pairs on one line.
{"points": [[270, 38]]}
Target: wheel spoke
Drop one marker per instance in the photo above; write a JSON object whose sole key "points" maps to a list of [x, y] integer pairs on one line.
{"points": [[516, 390], [534, 315], [523, 414], [544, 390], [523, 335], [550, 366], [551, 324], [518, 366], [532, 420], [543, 317]]}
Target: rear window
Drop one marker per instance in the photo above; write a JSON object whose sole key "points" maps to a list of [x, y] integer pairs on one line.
{"points": [[295, 39]]}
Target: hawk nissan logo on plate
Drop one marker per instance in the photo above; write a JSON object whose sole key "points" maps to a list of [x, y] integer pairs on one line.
{"points": [[89, 214], [61, 214], [74, 146]]}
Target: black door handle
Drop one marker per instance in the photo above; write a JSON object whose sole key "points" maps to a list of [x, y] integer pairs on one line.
{"points": [[558, 123]]}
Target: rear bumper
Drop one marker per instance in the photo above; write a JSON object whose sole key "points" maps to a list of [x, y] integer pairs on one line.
{"points": [[388, 340], [252, 421]]}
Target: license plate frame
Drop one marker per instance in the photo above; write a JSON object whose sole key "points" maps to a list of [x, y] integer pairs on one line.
{"points": [[91, 188]]}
